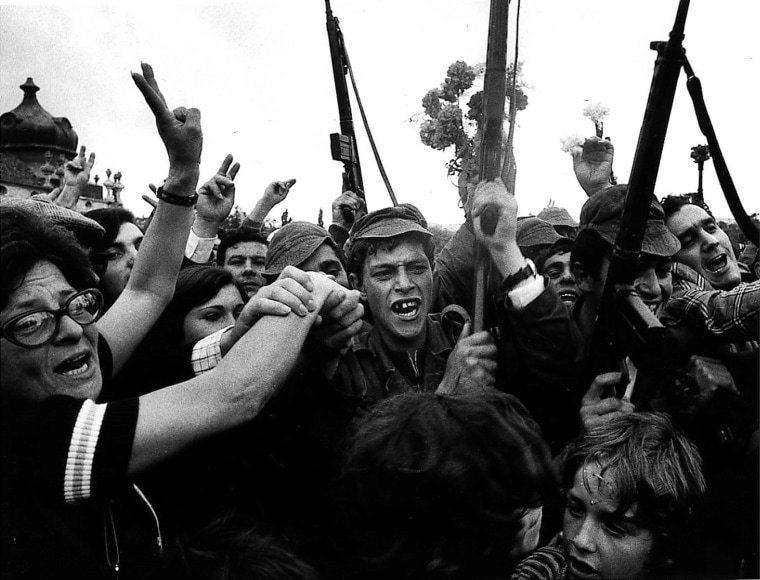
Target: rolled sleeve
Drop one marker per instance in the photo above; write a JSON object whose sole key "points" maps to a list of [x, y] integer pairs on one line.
{"points": [[199, 249], [207, 352]]}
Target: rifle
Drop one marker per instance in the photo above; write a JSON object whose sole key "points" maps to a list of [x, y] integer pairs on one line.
{"points": [[624, 325], [343, 144], [494, 97]]}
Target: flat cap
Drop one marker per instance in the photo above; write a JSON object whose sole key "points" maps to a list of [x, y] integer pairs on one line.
{"points": [[292, 244], [603, 212], [84, 228]]}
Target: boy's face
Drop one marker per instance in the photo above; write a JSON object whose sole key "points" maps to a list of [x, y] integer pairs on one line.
{"points": [[397, 284], [557, 269], [600, 543]]}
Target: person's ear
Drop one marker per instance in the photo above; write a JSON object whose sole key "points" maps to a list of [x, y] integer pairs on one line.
{"points": [[582, 278], [357, 284]]}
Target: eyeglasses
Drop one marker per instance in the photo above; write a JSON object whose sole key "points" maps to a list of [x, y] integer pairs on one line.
{"points": [[35, 328]]}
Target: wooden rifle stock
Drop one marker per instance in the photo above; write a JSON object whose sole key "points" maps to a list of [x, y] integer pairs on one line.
{"points": [[494, 98]]}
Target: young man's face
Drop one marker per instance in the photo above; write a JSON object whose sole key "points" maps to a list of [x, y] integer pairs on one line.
{"points": [[121, 256], [653, 283], [557, 269], [245, 260], [599, 542], [325, 260], [704, 247], [397, 284]]}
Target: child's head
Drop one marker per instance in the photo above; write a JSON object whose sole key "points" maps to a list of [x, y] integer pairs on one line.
{"points": [[633, 484], [445, 483]]}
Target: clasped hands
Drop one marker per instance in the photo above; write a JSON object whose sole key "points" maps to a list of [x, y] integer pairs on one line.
{"points": [[339, 313]]}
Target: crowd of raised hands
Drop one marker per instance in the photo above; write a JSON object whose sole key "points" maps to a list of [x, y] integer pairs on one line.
{"points": [[342, 417]]}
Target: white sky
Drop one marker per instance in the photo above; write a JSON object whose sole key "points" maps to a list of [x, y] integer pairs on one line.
{"points": [[260, 74]]}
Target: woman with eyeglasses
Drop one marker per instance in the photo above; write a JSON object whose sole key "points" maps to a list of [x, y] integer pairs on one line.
{"points": [[70, 509]]}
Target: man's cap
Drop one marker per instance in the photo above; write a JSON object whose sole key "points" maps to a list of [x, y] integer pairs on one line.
{"points": [[292, 244], [557, 216], [603, 211], [390, 222], [86, 229], [533, 231]]}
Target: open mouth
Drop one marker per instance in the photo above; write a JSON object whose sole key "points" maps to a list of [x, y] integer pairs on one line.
{"points": [[75, 365], [717, 265], [408, 308], [568, 297], [654, 307], [581, 569]]}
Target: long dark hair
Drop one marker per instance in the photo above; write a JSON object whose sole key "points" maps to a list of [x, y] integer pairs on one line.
{"points": [[195, 285]]}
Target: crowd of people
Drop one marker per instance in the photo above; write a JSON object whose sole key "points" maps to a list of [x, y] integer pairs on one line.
{"points": [[188, 403]]}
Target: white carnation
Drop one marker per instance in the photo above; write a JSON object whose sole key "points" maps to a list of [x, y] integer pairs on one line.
{"points": [[596, 111], [572, 144]]}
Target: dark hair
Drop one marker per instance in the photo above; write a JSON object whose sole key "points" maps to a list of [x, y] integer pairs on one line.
{"points": [[442, 480], [562, 246], [26, 239], [111, 218], [673, 203], [368, 246], [232, 547], [235, 236], [590, 249], [195, 285], [655, 468]]}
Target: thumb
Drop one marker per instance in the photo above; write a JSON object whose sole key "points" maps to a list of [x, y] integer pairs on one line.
{"points": [[466, 331], [597, 388]]}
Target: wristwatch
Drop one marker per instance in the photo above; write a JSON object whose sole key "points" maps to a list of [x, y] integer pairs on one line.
{"points": [[527, 272]]}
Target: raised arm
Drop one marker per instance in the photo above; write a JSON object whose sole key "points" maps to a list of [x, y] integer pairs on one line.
{"points": [[151, 283], [235, 391], [215, 200], [274, 193]]}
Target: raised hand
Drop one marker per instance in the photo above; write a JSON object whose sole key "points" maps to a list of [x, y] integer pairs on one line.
{"points": [[180, 129], [347, 208], [472, 364], [277, 191], [216, 198], [76, 176], [593, 165], [596, 409]]}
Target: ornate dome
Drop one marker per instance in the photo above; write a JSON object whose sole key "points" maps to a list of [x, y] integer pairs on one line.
{"points": [[29, 126]]}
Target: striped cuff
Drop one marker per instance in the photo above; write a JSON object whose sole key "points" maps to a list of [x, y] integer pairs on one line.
{"points": [[207, 352], [77, 479]]}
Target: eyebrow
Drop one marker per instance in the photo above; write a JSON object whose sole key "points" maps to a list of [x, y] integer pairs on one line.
{"points": [[34, 303], [692, 229]]}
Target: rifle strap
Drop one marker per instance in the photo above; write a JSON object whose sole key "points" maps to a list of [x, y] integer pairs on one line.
{"points": [[366, 127]]}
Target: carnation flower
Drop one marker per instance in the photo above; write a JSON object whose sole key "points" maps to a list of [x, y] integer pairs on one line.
{"points": [[572, 144], [596, 112]]}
